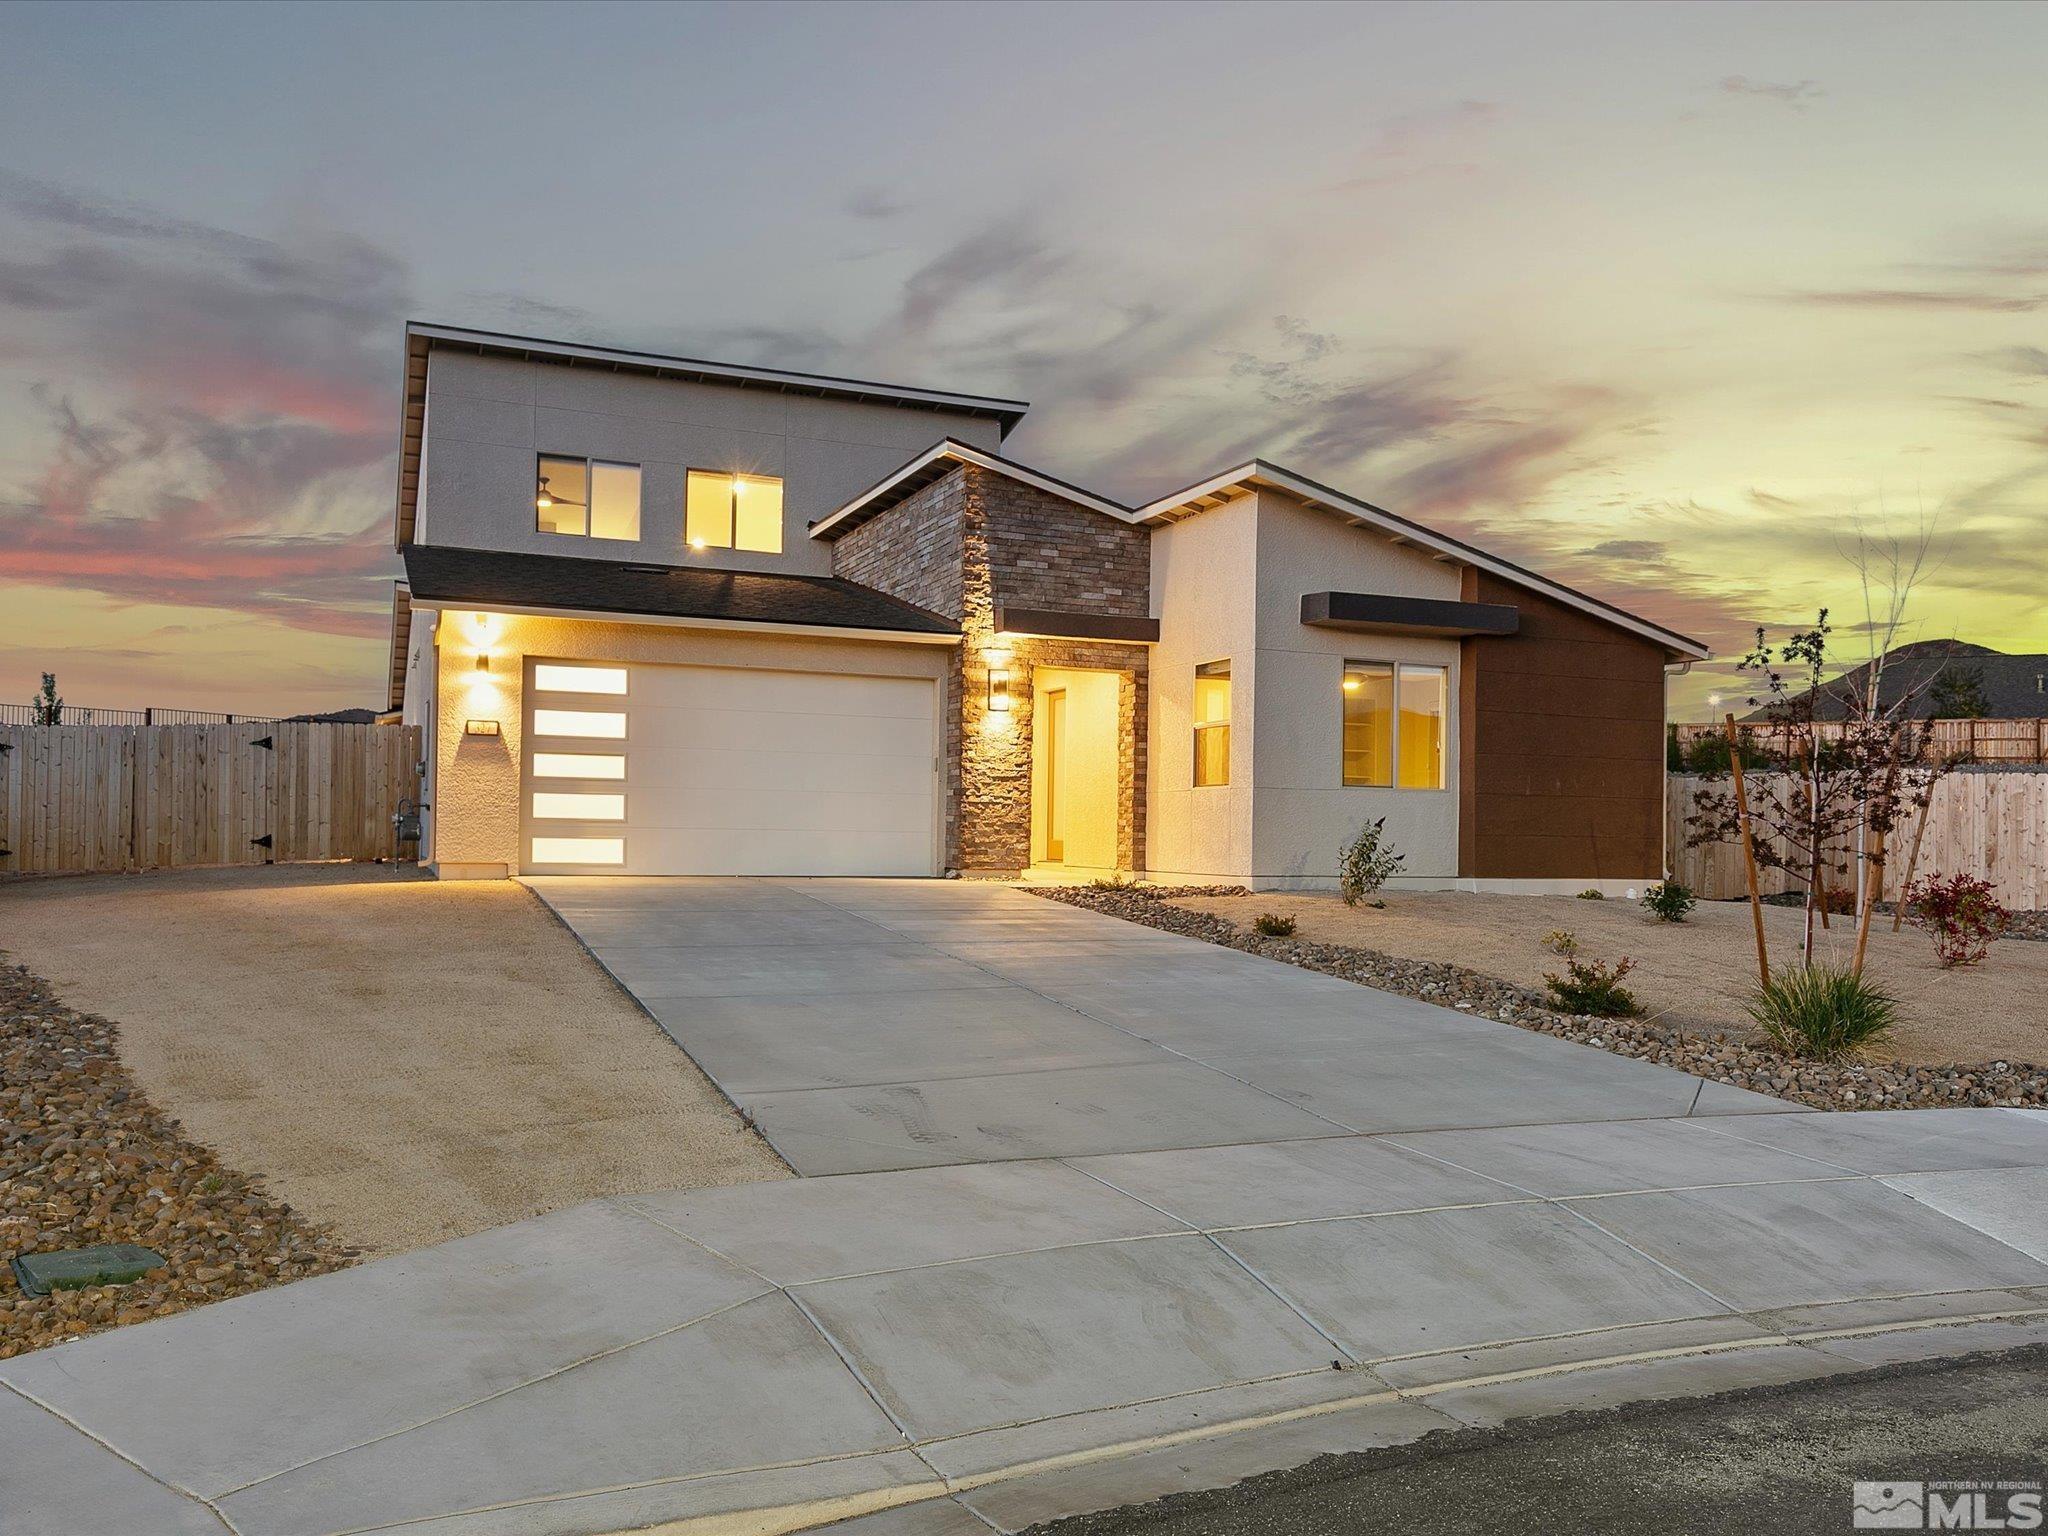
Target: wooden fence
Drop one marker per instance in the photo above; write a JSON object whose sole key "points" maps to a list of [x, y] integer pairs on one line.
{"points": [[104, 797], [1984, 823], [1982, 741]]}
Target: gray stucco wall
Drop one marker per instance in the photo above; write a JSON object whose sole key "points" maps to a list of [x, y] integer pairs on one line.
{"points": [[488, 417]]}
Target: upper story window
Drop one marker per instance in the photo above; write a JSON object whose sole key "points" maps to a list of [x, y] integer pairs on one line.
{"points": [[724, 511], [1394, 724], [1212, 723], [590, 498]]}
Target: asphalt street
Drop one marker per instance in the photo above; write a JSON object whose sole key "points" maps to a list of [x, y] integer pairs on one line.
{"points": [[1778, 1459]]}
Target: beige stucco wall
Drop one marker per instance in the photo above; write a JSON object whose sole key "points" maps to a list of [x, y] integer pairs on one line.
{"points": [[1228, 583], [1304, 812], [487, 418], [475, 788], [1203, 595]]}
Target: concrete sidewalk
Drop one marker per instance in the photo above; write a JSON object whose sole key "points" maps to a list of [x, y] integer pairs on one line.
{"points": [[1197, 1215], [1025, 1340]]}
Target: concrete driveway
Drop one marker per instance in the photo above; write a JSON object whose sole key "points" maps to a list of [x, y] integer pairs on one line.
{"points": [[896, 1024], [934, 1351]]}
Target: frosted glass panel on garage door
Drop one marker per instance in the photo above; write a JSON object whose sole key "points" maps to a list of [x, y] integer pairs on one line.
{"points": [[732, 771]]}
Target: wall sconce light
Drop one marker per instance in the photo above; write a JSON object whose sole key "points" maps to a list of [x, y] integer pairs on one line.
{"points": [[998, 680], [483, 661], [480, 728]]}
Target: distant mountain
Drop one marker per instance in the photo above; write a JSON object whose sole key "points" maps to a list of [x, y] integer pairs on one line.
{"points": [[2010, 687], [340, 717]]}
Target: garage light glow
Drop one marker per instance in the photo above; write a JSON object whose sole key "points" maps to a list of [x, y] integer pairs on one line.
{"points": [[579, 850], [560, 679]]}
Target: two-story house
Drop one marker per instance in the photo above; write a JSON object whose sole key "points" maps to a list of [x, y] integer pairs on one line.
{"points": [[670, 617]]}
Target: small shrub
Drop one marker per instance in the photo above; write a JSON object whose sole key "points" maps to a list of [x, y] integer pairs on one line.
{"points": [[1367, 863], [1961, 913], [1823, 1011], [1116, 882], [1273, 925], [1592, 986], [1590, 894], [1670, 901], [1561, 941]]}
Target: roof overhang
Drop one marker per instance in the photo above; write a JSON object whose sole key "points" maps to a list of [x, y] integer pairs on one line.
{"points": [[401, 640], [1259, 475], [421, 337], [939, 461], [687, 621], [1377, 613]]}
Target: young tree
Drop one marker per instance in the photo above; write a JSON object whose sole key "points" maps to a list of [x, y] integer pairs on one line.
{"points": [[46, 708], [1830, 793]]}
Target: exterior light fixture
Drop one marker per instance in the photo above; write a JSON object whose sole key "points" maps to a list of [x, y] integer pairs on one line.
{"points": [[998, 660], [480, 728], [699, 545], [483, 661]]}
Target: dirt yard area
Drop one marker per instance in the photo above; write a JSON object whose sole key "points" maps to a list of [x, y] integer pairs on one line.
{"points": [[406, 1060], [1694, 974]]}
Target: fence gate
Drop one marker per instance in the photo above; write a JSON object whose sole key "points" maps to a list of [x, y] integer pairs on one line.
{"points": [[75, 798]]}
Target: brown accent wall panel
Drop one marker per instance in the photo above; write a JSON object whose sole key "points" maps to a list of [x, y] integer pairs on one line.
{"points": [[1561, 729]]}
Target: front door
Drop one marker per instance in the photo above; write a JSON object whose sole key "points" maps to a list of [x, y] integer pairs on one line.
{"points": [[1075, 721]]}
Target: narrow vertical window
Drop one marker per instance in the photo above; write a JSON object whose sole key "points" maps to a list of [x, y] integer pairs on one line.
{"points": [[1212, 723], [1368, 723], [1423, 706], [561, 495], [614, 501]]}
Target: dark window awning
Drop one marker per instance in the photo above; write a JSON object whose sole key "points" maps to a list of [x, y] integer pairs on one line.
{"points": [[1377, 613], [1067, 625]]}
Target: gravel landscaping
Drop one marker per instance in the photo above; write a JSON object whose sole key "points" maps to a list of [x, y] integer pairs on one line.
{"points": [[1718, 1056], [85, 1158]]}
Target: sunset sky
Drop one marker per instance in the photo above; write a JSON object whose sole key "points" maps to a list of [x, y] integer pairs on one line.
{"points": [[1664, 301]]}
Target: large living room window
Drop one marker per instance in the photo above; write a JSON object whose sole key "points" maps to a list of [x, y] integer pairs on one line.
{"points": [[587, 498], [723, 511], [1394, 724], [1212, 723]]}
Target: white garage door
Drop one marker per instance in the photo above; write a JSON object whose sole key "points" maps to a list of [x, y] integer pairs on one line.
{"points": [[662, 770]]}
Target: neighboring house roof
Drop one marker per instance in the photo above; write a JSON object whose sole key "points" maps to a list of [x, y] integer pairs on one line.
{"points": [[420, 336], [935, 463], [1260, 475], [502, 579], [2013, 687]]}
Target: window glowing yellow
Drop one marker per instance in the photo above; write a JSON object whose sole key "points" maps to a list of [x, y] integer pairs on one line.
{"points": [[579, 679], [552, 805], [579, 850], [1212, 723], [578, 765], [579, 722], [1368, 723], [1423, 692], [727, 511]]}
